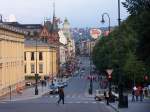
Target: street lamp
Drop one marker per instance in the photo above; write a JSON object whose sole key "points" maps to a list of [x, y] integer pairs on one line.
{"points": [[123, 101], [36, 74], [52, 67], [91, 78], [103, 21]]}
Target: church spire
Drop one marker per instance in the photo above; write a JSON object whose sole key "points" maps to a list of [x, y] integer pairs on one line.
{"points": [[54, 11], [54, 24]]}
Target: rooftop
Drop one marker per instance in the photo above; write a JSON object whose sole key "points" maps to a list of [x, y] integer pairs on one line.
{"points": [[12, 28]]}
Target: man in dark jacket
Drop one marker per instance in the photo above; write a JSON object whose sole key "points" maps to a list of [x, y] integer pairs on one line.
{"points": [[61, 95]]}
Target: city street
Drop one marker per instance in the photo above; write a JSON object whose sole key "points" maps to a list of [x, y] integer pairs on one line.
{"points": [[74, 56], [77, 98]]}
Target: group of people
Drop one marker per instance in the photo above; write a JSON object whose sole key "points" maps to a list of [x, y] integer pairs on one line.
{"points": [[136, 93]]}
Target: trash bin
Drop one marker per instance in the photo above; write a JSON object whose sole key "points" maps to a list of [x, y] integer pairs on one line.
{"points": [[123, 103]]}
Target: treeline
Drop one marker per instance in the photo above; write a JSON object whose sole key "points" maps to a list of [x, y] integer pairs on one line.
{"points": [[127, 49]]}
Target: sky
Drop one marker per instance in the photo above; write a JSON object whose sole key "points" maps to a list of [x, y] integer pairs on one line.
{"points": [[80, 13]]}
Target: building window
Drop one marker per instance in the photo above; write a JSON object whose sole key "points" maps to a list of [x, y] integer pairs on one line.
{"points": [[24, 55], [32, 68], [40, 68], [40, 56], [32, 55], [25, 68]]}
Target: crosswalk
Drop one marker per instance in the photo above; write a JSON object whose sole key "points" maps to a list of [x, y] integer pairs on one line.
{"points": [[83, 102], [74, 99], [70, 96], [1, 102]]}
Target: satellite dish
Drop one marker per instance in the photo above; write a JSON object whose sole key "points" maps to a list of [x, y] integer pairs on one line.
{"points": [[12, 18]]}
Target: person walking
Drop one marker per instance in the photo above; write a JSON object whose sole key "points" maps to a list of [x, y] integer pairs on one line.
{"points": [[133, 95], [61, 95], [141, 94], [137, 94], [107, 97]]}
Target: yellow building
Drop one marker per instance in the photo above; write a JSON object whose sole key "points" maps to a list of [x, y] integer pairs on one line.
{"points": [[41, 59], [11, 58]]}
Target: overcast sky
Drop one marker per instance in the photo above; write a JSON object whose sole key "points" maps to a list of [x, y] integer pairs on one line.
{"points": [[80, 13]]}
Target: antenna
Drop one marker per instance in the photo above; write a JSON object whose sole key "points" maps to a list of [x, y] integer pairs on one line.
{"points": [[1, 18]]}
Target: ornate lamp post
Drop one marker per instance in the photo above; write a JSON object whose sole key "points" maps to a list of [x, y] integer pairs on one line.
{"points": [[36, 74], [103, 21], [120, 87], [91, 78]]}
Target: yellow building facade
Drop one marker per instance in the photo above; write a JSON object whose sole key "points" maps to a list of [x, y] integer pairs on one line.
{"points": [[11, 58], [41, 59]]}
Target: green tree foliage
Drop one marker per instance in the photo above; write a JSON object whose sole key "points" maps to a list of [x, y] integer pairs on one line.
{"points": [[135, 7], [127, 48]]}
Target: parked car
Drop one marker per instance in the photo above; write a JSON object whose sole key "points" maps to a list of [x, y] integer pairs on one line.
{"points": [[53, 89], [62, 84], [28, 83], [115, 96], [65, 83], [99, 96]]}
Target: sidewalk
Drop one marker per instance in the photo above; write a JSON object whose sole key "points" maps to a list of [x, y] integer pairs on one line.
{"points": [[28, 93], [138, 106]]}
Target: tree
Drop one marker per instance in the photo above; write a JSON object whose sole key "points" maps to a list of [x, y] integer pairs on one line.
{"points": [[126, 49], [134, 7]]}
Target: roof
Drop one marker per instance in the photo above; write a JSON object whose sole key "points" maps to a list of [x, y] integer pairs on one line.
{"points": [[12, 29], [51, 27], [24, 26], [38, 42]]}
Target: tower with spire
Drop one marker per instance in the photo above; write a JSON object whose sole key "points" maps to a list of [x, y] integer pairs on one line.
{"points": [[70, 40], [50, 30], [50, 35]]}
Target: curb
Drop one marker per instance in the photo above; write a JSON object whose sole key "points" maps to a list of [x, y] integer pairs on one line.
{"points": [[113, 107], [24, 99]]}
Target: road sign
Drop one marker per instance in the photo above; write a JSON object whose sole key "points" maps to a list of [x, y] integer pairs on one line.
{"points": [[95, 33], [109, 71], [145, 77]]}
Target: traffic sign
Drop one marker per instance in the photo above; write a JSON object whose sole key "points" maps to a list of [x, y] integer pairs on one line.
{"points": [[109, 71]]}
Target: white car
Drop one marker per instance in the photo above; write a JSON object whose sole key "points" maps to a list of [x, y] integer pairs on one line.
{"points": [[99, 96]]}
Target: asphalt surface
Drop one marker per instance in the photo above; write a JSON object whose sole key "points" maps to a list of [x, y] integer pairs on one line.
{"points": [[76, 98]]}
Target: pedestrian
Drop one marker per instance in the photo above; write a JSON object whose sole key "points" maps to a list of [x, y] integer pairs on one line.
{"points": [[137, 94], [105, 94], [133, 95], [141, 94], [107, 98], [61, 95], [146, 92]]}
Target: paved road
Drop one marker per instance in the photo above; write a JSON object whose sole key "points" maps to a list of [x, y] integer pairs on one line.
{"points": [[76, 98]]}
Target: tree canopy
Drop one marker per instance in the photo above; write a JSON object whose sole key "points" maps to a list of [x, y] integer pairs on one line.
{"points": [[127, 48]]}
